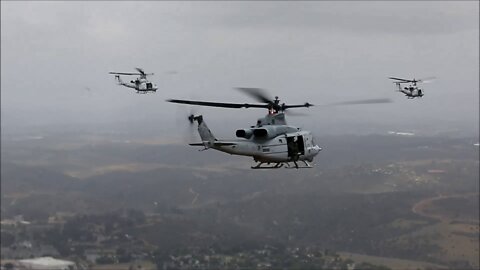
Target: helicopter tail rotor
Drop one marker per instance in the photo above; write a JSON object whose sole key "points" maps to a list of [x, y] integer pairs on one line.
{"points": [[188, 131], [118, 79], [191, 119], [191, 128]]}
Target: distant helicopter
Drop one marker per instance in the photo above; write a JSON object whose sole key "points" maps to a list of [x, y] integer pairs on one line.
{"points": [[412, 91], [271, 142], [141, 84]]}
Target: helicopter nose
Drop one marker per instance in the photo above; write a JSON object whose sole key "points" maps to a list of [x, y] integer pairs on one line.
{"points": [[316, 149]]}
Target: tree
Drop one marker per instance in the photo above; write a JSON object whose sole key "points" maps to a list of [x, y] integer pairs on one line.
{"points": [[105, 260]]}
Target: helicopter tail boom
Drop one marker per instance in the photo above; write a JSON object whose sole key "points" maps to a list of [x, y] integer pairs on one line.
{"points": [[120, 82]]}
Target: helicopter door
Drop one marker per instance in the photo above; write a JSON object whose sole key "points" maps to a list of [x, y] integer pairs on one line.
{"points": [[149, 85], [295, 146]]}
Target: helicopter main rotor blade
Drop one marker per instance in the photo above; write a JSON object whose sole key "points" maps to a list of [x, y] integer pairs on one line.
{"points": [[365, 101], [140, 70], [399, 79], [257, 93], [306, 105], [426, 79], [218, 104], [124, 73]]}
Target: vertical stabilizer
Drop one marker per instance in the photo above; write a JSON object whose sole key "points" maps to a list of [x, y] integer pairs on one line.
{"points": [[119, 81], [205, 133]]}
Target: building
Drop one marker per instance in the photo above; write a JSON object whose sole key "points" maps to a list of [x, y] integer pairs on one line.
{"points": [[46, 263]]}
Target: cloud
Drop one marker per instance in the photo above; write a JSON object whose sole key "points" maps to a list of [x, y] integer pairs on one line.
{"points": [[376, 17]]}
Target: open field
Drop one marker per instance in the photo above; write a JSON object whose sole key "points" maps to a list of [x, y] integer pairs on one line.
{"points": [[456, 232]]}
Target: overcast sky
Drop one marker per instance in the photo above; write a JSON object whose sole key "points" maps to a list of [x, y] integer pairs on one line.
{"points": [[55, 59]]}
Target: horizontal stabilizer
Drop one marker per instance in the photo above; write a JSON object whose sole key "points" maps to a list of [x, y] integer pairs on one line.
{"points": [[196, 144], [216, 143]]}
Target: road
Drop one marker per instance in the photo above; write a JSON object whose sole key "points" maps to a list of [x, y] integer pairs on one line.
{"points": [[420, 207]]}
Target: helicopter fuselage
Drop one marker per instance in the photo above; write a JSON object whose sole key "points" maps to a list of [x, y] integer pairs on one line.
{"points": [[410, 91], [282, 148], [143, 85], [279, 143]]}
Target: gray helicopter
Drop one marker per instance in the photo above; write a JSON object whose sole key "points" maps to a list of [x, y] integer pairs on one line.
{"points": [[141, 84], [412, 91], [271, 141]]}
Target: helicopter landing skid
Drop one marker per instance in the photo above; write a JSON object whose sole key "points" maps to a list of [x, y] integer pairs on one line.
{"points": [[275, 166], [281, 164], [307, 165]]}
